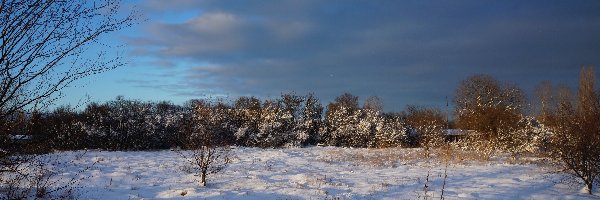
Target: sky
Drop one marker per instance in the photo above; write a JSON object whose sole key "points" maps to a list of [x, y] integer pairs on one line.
{"points": [[405, 52]]}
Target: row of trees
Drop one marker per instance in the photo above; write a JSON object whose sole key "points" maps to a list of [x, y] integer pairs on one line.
{"points": [[495, 112], [290, 120]]}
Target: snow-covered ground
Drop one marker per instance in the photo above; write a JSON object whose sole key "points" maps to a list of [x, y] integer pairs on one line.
{"points": [[315, 173]]}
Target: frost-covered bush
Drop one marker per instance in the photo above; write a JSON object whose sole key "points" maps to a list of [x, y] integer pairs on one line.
{"points": [[369, 125], [247, 116], [531, 136], [392, 132], [348, 125], [310, 123], [342, 127], [131, 125], [492, 109], [271, 132], [280, 122]]}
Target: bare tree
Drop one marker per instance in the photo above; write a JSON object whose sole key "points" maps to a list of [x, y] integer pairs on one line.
{"points": [[576, 141], [45, 46], [207, 152]]}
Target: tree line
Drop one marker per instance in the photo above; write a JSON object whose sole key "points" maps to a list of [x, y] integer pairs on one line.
{"points": [[290, 120], [493, 110]]}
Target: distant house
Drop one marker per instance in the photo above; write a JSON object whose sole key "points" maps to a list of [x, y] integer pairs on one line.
{"points": [[450, 135], [454, 135]]}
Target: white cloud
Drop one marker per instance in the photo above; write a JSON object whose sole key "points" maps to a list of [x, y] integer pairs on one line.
{"points": [[329, 47], [215, 23]]}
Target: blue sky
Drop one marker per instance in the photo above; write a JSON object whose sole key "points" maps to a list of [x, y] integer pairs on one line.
{"points": [[406, 52]]}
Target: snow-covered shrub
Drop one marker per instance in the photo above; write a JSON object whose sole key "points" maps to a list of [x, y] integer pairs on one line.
{"points": [[348, 125], [342, 127], [492, 109], [392, 132], [529, 137], [370, 123], [247, 116], [310, 122], [271, 126], [130, 124], [290, 115]]}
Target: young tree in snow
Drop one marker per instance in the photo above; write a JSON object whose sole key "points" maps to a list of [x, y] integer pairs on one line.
{"points": [[576, 138], [207, 152]]}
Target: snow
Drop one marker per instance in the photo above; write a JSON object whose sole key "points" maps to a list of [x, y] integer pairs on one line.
{"points": [[20, 137], [313, 173]]}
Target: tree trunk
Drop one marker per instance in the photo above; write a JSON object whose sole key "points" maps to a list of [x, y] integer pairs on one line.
{"points": [[203, 179], [589, 187]]}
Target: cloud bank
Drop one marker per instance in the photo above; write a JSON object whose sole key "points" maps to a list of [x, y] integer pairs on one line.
{"points": [[406, 52]]}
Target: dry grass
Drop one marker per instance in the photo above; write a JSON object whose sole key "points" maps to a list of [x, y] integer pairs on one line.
{"points": [[392, 157], [387, 157]]}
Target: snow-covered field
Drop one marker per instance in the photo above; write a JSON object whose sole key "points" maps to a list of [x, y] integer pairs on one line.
{"points": [[315, 173]]}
